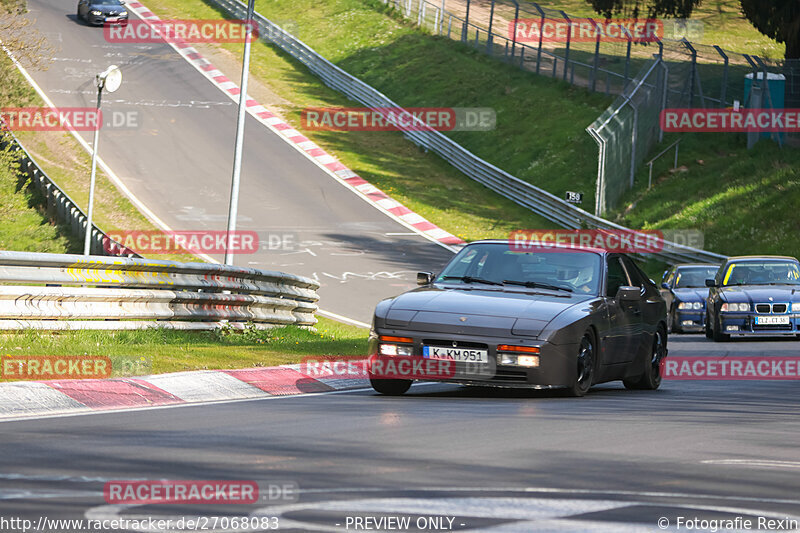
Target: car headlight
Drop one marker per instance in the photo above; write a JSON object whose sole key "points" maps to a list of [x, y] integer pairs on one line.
{"points": [[734, 307], [796, 307], [690, 305], [517, 355], [97, 12], [395, 345]]}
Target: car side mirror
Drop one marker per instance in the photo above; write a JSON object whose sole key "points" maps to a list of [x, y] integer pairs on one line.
{"points": [[628, 294], [665, 285], [424, 278], [711, 283]]}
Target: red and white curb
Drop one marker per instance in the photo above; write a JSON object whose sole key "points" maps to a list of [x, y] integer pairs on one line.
{"points": [[320, 157], [32, 399]]}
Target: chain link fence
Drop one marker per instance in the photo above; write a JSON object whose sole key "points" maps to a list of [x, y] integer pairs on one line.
{"points": [[647, 75]]}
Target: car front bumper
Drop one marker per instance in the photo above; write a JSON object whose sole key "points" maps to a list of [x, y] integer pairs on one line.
{"points": [[744, 325], [687, 320], [100, 20], [557, 363]]}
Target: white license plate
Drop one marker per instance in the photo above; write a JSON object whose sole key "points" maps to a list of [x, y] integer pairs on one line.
{"points": [[112, 19], [467, 355], [771, 320]]}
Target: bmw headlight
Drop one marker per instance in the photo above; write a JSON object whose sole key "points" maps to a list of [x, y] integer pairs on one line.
{"points": [[97, 13], [690, 305], [796, 307], [735, 307]]}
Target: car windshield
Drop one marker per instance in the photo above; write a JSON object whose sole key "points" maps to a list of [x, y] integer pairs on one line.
{"points": [[495, 263], [106, 3], [694, 276], [762, 273]]}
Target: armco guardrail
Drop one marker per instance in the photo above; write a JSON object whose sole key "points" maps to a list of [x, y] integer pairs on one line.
{"points": [[57, 291], [59, 204], [521, 192]]}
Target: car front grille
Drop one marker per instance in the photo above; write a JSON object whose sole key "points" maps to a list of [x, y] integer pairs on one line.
{"points": [[771, 308]]}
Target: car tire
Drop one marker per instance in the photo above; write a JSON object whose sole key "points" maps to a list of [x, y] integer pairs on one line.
{"points": [[671, 321], [717, 335], [586, 361], [390, 387], [709, 335], [650, 378]]}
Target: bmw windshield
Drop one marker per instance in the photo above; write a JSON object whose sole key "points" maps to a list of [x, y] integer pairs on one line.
{"points": [[694, 277], [762, 273]]}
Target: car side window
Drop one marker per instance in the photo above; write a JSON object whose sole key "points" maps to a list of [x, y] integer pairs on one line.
{"points": [[638, 277], [616, 276], [671, 277]]}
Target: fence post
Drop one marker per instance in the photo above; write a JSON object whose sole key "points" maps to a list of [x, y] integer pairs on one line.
{"points": [[723, 91], [634, 139], [465, 31], [541, 26], [627, 55], [664, 95], [596, 62], [569, 40], [693, 73], [514, 37], [489, 31]]}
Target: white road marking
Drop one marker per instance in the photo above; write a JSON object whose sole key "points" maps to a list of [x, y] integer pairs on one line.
{"points": [[340, 318], [768, 463]]}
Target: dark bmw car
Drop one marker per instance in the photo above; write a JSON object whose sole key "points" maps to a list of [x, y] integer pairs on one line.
{"points": [[754, 296], [683, 288], [100, 12], [545, 318]]}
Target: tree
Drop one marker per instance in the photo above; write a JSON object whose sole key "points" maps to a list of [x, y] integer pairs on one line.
{"points": [[777, 19]]}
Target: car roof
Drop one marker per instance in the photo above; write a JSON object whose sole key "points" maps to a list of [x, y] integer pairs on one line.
{"points": [[507, 242], [681, 265], [743, 258]]}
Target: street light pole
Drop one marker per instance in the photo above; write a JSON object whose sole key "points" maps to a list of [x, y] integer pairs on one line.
{"points": [[233, 206], [109, 80]]}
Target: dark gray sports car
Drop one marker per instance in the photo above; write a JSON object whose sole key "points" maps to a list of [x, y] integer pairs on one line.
{"points": [[545, 318]]}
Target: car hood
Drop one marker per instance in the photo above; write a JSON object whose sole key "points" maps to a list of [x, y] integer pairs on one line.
{"points": [[104, 8], [479, 312], [690, 294], [761, 293]]}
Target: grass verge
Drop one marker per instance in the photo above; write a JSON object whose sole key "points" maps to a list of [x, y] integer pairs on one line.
{"points": [[745, 201], [174, 351]]}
